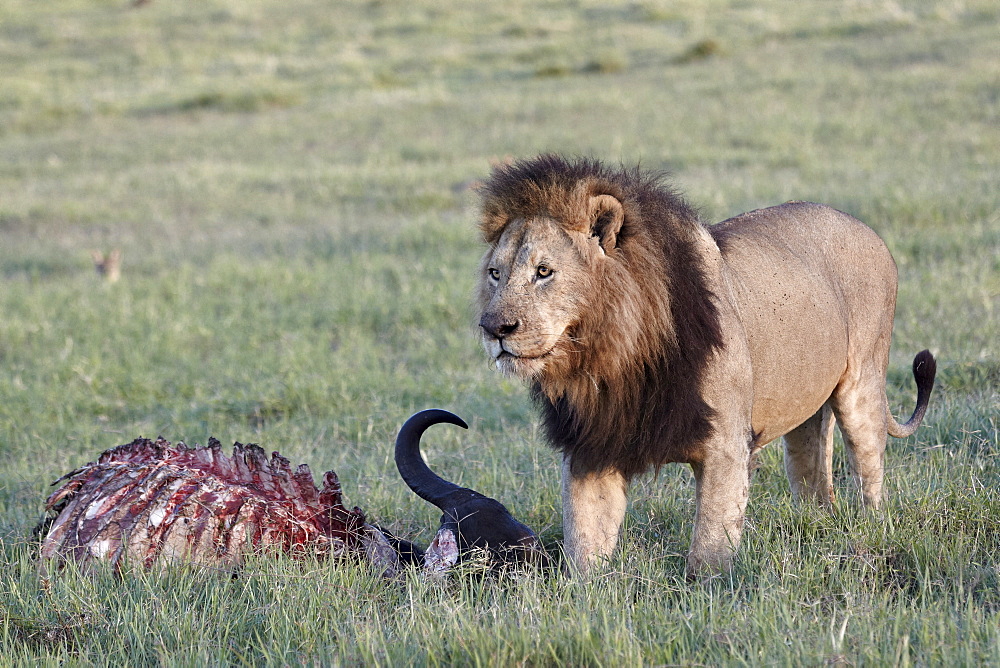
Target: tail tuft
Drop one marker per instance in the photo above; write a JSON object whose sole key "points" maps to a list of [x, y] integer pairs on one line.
{"points": [[924, 369]]}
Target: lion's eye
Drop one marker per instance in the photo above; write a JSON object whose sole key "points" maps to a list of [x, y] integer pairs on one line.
{"points": [[494, 273], [544, 271]]}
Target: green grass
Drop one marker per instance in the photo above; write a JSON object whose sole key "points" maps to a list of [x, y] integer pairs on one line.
{"points": [[289, 184]]}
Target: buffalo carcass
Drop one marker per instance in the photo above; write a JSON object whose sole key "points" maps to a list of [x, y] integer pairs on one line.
{"points": [[152, 503]]}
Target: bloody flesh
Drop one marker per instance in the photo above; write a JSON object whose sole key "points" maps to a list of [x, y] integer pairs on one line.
{"points": [[151, 503]]}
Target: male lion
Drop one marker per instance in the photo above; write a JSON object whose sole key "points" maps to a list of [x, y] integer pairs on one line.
{"points": [[650, 338]]}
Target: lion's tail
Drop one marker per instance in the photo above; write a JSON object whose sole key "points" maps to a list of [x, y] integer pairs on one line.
{"points": [[924, 368]]}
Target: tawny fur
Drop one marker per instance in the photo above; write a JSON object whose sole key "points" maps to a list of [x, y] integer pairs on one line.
{"points": [[109, 266], [649, 338]]}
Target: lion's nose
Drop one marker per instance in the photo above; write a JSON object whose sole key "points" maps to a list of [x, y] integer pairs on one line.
{"points": [[498, 327]]}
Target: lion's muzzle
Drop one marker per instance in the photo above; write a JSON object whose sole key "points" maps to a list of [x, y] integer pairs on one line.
{"points": [[495, 330], [497, 326]]}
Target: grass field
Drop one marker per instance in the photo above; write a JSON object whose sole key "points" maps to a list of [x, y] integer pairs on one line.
{"points": [[289, 185]]}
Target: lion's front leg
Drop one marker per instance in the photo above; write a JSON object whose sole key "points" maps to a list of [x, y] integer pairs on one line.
{"points": [[723, 486], [593, 510]]}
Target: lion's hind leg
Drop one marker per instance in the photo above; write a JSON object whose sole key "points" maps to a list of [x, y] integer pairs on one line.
{"points": [[861, 415], [809, 458]]}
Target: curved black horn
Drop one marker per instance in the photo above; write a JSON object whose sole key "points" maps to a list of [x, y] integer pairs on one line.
{"points": [[416, 474]]}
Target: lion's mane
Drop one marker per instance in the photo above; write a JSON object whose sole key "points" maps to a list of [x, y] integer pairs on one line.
{"points": [[628, 394]]}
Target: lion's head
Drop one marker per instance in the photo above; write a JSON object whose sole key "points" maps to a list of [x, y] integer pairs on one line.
{"points": [[538, 280], [579, 295]]}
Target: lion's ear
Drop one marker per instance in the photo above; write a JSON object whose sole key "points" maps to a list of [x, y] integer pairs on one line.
{"points": [[606, 218]]}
